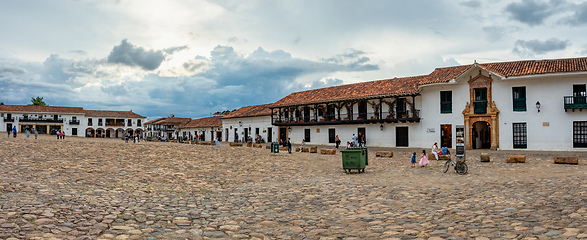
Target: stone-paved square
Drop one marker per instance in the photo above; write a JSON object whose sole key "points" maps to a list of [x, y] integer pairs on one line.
{"points": [[81, 188]]}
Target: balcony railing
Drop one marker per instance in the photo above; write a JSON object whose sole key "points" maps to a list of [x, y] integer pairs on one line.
{"points": [[480, 107], [572, 102], [114, 125], [73, 122], [41, 120], [8, 119], [406, 116]]}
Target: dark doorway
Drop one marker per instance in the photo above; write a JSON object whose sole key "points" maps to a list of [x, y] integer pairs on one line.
{"points": [[283, 134], [361, 133], [9, 127], [235, 134], [446, 135], [227, 134], [269, 135], [331, 135], [42, 129], [401, 136], [481, 135], [74, 132], [307, 135], [246, 135]]}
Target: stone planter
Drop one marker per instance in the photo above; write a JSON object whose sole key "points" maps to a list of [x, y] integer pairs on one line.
{"points": [[313, 149]]}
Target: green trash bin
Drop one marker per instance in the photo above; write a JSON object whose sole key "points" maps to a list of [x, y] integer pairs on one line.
{"points": [[275, 148], [149, 139], [355, 158]]}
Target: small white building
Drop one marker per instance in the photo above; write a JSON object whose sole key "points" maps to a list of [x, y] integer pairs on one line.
{"points": [[533, 105], [248, 123], [73, 121], [204, 129], [165, 127]]}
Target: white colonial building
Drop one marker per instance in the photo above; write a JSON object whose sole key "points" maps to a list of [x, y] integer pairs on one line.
{"points": [[73, 121], [248, 122], [534, 105], [164, 127]]}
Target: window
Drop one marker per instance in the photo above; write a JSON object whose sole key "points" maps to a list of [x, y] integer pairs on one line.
{"points": [[480, 103], [139, 122], [89, 122], [307, 135], [580, 94], [519, 98], [580, 134], [129, 123], [520, 136], [446, 102]]}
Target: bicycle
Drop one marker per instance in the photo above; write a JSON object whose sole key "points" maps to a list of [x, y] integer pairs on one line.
{"points": [[460, 166]]}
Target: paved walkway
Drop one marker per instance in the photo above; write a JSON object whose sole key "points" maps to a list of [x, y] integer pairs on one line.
{"points": [[81, 188]]}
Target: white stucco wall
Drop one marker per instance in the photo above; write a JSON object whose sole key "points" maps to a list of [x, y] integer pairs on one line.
{"points": [[549, 90], [261, 122]]}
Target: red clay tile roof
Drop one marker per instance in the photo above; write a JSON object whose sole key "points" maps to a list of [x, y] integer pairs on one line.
{"points": [[535, 67], [203, 122], [174, 121], [155, 121], [372, 89], [40, 109], [114, 114], [250, 111]]}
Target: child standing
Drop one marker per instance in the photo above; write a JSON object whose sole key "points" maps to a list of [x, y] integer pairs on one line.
{"points": [[414, 159], [424, 159]]}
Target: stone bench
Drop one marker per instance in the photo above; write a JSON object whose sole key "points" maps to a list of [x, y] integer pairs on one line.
{"points": [[313, 149], [206, 143], [328, 151], [257, 145], [516, 159], [282, 148], [268, 147], [485, 157], [387, 154], [249, 144], [236, 144], [566, 160]]}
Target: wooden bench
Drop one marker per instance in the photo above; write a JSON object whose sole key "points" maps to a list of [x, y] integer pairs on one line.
{"points": [[566, 160], [313, 149], [328, 151], [386, 154], [236, 144], [485, 157], [257, 145], [516, 159]]}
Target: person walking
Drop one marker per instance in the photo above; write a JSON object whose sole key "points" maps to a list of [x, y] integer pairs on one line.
{"points": [[337, 141], [354, 138], [36, 133], [289, 145], [62, 135], [9, 130], [424, 160], [28, 133], [57, 133], [435, 150], [414, 159], [14, 132], [362, 139]]}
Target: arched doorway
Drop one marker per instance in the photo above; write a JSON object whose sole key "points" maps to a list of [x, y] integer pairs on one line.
{"points": [[90, 132], [481, 135]]}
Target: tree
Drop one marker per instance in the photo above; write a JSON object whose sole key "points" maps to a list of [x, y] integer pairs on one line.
{"points": [[38, 101]]}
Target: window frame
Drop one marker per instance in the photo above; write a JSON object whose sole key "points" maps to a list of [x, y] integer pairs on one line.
{"points": [[518, 101], [520, 135], [445, 102], [579, 134]]}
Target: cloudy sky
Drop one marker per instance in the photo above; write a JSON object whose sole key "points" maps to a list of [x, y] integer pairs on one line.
{"points": [[195, 57]]}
